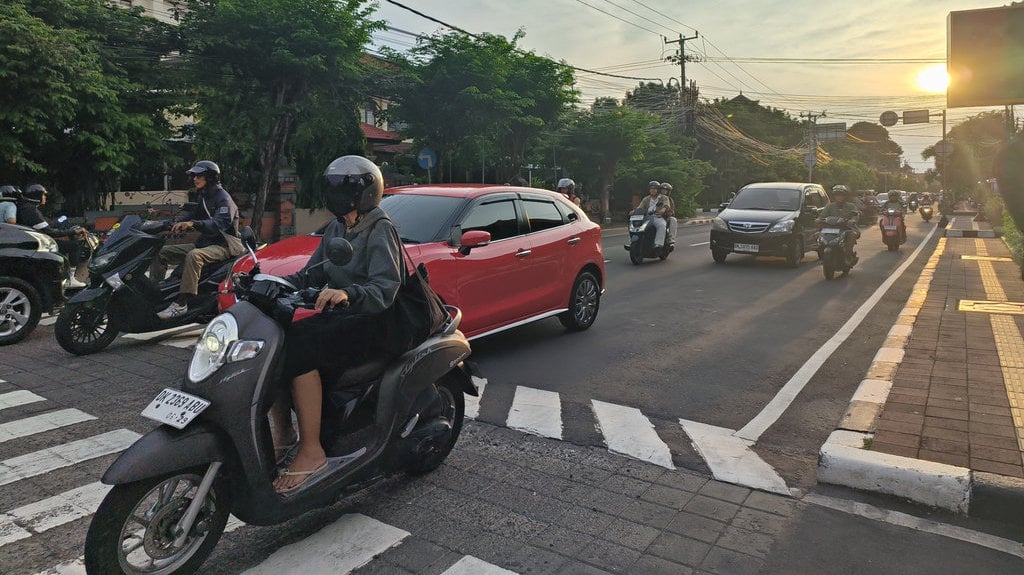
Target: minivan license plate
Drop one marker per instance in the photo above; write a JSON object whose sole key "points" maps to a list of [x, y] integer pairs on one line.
{"points": [[749, 248], [175, 408]]}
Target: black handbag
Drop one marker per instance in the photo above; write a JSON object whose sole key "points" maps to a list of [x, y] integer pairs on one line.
{"points": [[417, 312]]}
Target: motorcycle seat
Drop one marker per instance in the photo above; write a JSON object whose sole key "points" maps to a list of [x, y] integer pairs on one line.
{"points": [[363, 372]]}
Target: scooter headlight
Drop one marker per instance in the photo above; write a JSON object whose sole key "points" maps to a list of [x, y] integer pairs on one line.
{"points": [[212, 349], [719, 224]]}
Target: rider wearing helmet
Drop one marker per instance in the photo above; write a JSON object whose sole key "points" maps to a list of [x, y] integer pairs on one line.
{"points": [[895, 202], [70, 241], [840, 207], [215, 217], [567, 188], [660, 205], [367, 285], [673, 223], [8, 207]]}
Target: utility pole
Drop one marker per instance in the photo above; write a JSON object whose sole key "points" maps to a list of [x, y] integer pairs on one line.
{"points": [[812, 154], [684, 99]]}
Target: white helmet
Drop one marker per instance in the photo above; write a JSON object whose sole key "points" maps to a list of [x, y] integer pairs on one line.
{"points": [[567, 183]]}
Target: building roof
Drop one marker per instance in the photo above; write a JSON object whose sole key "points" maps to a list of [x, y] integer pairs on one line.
{"points": [[374, 133]]}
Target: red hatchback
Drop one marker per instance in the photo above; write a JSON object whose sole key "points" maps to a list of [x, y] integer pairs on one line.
{"points": [[504, 255]]}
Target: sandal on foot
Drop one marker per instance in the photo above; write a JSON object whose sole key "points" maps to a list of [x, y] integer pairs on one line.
{"points": [[307, 476]]}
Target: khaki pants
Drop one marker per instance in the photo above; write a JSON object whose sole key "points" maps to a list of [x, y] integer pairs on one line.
{"points": [[191, 258]]}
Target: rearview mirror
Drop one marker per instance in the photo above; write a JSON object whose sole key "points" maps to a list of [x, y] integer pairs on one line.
{"points": [[473, 239], [249, 238], [339, 251]]}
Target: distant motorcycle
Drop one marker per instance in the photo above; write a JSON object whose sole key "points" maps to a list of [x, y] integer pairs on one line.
{"points": [[832, 247], [926, 213], [893, 234], [641, 238], [913, 205]]}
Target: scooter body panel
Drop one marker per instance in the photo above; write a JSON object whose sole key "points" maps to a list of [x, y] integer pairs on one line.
{"points": [[166, 449]]}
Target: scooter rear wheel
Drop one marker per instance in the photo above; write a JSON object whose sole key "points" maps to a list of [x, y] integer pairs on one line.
{"points": [[83, 329], [132, 531], [450, 405]]}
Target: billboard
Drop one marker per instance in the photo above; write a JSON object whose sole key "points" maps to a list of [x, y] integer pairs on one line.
{"points": [[985, 57]]}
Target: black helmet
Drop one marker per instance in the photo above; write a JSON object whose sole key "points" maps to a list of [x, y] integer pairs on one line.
{"points": [[667, 187], [207, 169], [8, 193], [353, 182], [34, 193], [653, 184]]}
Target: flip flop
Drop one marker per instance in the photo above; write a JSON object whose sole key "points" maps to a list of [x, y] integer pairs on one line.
{"points": [[308, 475]]}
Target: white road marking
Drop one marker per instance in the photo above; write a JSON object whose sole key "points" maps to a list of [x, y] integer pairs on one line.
{"points": [[473, 403], [345, 545], [700, 244], [905, 520], [628, 432], [42, 422], [46, 460], [75, 567], [731, 458], [51, 512], [48, 320], [470, 565], [180, 331], [16, 398], [782, 400], [536, 411]]}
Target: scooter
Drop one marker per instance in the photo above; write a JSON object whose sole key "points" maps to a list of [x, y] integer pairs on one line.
{"points": [[891, 224], [926, 212], [913, 205], [121, 298], [214, 455], [641, 238], [832, 247]]}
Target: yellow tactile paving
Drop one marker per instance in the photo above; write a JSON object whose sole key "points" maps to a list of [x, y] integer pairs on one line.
{"points": [[987, 258], [1002, 307]]}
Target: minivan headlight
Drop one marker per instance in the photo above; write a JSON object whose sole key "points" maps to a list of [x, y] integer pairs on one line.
{"points": [[719, 224], [46, 243], [783, 226]]}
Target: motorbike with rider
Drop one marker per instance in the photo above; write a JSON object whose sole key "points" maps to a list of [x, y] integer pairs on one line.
{"points": [[649, 226], [892, 223], [74, 242], [838, 234]]}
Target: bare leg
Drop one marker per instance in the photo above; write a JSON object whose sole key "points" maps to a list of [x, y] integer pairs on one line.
{"points": [[281, 427], [307, 395]]}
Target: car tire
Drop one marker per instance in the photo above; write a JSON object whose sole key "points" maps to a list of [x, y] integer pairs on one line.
{"points": [[584, 303], [18, 296], [796, 254], [719, 256]]}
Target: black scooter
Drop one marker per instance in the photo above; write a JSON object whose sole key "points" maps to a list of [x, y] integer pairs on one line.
{"points": [[173, 489], [641, 238], [121, 298], [832, 247]]}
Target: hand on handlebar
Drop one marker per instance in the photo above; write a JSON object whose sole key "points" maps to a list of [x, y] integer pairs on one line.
{"points": [[330, 298], [182, 227]]}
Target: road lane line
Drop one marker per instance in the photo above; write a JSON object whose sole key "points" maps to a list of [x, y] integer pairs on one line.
{"points": [[343, 546], [536, 411], [785, 397], [42, 422], [16, 398], [700, 244], [65, 455], [473, 403], [629, 432], [51, 512], [470, 565]]}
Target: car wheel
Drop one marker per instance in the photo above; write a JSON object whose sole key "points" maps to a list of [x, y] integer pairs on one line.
{"points": [[796, 254], [20, 308], [584, 303], [719, 256]]}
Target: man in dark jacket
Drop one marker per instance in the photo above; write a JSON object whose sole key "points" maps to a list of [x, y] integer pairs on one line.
{"points": [[70, 241], [215, 217]]}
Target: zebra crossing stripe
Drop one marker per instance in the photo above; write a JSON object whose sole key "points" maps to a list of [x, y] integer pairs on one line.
{"points": [[42, 422], [345, 545], [473, 403], [67, 454], [174, 332], [470, 565], [48, 320], [536, 411], [51, 512], [628, 432], [16, 398], [75, 567]]}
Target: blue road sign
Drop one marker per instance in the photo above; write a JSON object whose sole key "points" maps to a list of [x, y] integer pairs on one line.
{"points": [[427, 159]]}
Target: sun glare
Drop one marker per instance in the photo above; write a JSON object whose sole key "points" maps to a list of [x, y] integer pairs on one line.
{"points": [[933, 78]]}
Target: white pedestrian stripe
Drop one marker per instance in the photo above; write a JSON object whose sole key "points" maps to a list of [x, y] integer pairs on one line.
{"points": [[76, 567], [48, 320], [191, 331], [536, 411], [345, 545], [473, 403], [42, 422], [628, 432], [16, 398], [731, 458], [67, 454], [470, 565], [51, 512]]}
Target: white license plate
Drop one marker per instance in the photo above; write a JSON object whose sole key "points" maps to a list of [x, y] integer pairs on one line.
{"points": [[749, 248], [890, 227], [830, 230], [175, 408]]}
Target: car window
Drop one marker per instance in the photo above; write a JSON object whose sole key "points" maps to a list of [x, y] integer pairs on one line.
{"points": [[542, 215], [497, 217], [568, 213], [419, 217], [767, 199]]}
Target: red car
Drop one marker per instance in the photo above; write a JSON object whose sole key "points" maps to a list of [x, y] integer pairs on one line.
{"points": [[504, 255]]}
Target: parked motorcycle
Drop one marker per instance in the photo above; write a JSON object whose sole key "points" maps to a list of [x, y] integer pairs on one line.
{"points": [[893, 233], [121, 298], [214, 454], [926, 213], [832, 247], [641, 238]]}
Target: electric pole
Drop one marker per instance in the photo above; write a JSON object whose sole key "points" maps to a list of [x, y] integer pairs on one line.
{"points": [[812, 154], [684, 98]]}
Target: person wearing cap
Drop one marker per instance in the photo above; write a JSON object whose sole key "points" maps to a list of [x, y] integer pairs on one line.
{"points": [[215, 217]]}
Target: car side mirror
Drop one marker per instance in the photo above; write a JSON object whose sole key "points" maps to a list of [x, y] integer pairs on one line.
{"points": [[339, 251], [473, 239]]}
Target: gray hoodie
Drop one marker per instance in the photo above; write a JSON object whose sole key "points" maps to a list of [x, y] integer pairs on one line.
{"points": [[372, 278]]}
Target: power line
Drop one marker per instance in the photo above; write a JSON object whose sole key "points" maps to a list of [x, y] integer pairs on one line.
{"points": [[617, 18]]}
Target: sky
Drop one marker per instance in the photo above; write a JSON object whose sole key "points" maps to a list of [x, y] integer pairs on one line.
{"points": [[873, 50]]}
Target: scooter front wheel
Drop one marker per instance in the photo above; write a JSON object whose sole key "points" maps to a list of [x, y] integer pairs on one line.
{"points": [[133, 531], [85, 328], [636, 252]]}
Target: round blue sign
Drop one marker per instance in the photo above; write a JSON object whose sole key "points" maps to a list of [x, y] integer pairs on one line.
{"points": [[427, 159]]}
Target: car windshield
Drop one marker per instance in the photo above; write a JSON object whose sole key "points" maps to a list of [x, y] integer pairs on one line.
{"points": [[767, 199], [419, 217]]}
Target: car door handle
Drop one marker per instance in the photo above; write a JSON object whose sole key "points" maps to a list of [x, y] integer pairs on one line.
{"points": [[523, 253], [574, 241]]}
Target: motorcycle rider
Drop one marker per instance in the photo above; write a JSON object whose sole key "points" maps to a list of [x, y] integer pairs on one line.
{"points": [[70, 241], [840, 207], [673, 223], [659, 205], [215, 217], [8, 207], [895, 202], [368, 285], [567, 187]]}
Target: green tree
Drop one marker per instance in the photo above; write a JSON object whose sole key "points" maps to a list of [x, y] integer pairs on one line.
{"points": [[869, 144], [263, 67], [976, 142]]}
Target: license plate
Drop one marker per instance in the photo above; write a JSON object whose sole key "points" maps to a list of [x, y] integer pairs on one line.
{"points": [[890, 227], [830, 230], [175, 408], [749, 248]]}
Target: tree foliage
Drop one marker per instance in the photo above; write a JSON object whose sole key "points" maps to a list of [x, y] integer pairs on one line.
{"points": [[976, 142]]}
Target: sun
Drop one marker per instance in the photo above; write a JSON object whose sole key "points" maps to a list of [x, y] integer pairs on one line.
{"points": [[933, 78]]}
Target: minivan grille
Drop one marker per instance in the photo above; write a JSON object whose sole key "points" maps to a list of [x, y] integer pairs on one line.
{"points": [[747, 227]]}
